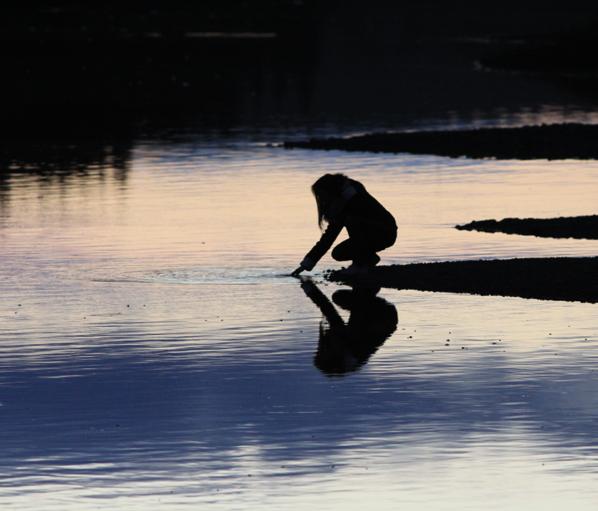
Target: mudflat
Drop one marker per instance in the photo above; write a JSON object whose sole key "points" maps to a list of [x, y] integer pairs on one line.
{"points": [[579, 227], [553, 278], [552, 142]]}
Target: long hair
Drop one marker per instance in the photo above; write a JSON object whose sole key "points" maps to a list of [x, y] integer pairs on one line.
{"points": [[326, 190]]}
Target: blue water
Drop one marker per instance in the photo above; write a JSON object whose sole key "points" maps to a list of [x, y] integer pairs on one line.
{"points": [[154, 351]]}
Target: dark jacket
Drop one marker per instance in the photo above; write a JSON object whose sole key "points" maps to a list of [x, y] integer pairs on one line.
{"points": [[363, 216]]}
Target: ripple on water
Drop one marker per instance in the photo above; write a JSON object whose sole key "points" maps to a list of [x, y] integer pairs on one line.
{"points": [[202, 275], [152, 347]]}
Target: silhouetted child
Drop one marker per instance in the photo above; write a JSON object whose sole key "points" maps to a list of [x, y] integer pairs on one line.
{"points": [[344, 202]]}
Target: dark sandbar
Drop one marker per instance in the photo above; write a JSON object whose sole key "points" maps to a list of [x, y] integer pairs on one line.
{"points": [[555, 141], [562, 278], [579, 227]]}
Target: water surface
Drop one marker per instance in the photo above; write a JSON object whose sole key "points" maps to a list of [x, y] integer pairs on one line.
{"points": [[154, 352]]}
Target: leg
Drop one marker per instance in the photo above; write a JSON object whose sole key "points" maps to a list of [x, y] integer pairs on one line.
{"points": [[356, 250], [343, 251], [365, 239]]}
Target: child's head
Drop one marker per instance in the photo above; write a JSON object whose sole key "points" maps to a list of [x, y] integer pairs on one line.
{"points": [[326, 190]]}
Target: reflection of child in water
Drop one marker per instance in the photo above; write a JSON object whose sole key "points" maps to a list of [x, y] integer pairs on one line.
{"points": [[344, 202], [344, 347]]}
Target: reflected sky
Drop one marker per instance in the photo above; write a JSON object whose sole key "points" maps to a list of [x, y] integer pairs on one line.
{"points": [[196, 204], [153, 352], [145, 400]]}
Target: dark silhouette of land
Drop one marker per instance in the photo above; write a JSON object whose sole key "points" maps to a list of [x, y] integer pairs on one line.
{"points": [[579, 227], [345, 347], [565, 55], [552, 142], [78, 66], [559, 278]]}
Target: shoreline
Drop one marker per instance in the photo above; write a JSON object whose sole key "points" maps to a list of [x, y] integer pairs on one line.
{"points": [[552, 142], [554, 278], [577, 227]]}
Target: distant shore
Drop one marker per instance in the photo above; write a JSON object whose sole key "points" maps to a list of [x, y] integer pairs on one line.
{"points": [[561, 278], [555, 141], [579, 227]]}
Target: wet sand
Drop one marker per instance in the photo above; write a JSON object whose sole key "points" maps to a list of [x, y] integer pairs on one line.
{"points": [[552, 142], [560, 278], [579, 227]]}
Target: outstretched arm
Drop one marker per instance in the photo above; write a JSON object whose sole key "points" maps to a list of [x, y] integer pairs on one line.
{"points": [[320, 248]]}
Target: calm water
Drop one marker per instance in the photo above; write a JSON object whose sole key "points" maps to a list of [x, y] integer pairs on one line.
{"points": [[153, 352]]}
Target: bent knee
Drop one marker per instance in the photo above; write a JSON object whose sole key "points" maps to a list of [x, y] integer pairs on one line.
{"points": [[389, 240], [339, 253]]}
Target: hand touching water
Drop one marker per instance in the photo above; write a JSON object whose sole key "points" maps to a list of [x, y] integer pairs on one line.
{"points": [[297, 271]]}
